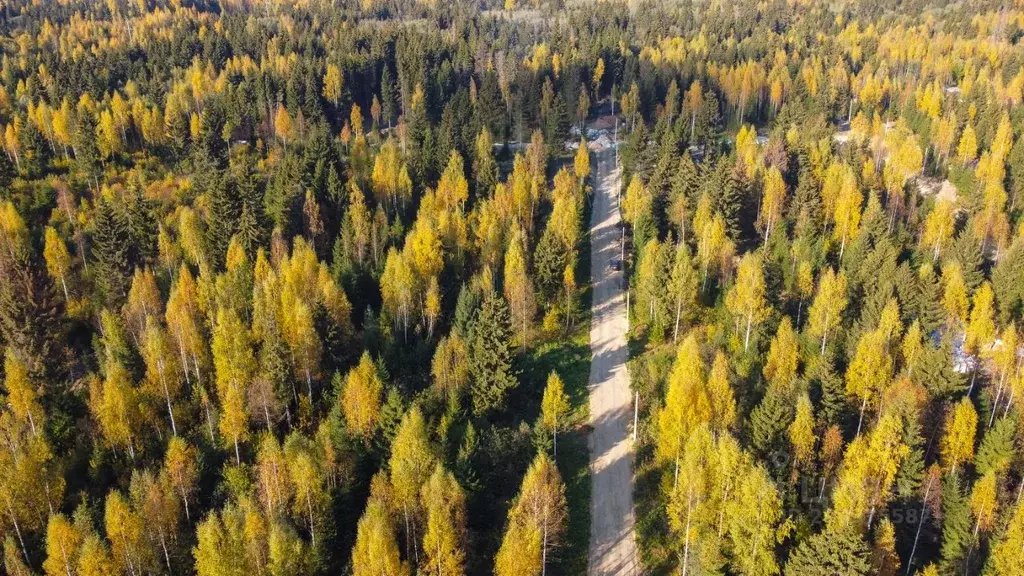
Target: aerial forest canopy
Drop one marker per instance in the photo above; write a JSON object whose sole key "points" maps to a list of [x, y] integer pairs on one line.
{"points": [[303, 287]]}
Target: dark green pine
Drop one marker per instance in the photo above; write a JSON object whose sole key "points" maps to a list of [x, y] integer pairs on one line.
{"points": [[830, 553], [490, 356], [957, 533], [111, 250]]}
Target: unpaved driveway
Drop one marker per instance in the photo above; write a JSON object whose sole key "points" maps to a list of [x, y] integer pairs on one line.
{"points": [[612, 546]]}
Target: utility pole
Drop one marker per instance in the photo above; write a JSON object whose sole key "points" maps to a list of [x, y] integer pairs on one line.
{"points": [[622, 246], [636, 413], [615, 137]]}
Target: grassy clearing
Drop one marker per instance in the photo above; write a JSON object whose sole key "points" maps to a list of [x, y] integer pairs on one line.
{"points": [[648, 369], [570, 358]]}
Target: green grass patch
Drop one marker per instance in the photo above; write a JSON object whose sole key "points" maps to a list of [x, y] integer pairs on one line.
{"points": [[648, 370], [570, 358]]}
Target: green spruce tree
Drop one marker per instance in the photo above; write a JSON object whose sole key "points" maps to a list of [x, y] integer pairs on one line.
{"points": [[490, 356], [111, 251]]}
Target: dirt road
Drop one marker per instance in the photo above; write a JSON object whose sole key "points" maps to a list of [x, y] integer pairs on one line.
{"points": [[612, 545]]}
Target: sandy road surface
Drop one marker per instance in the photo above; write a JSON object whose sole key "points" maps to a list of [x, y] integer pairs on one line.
{"points": [[612, 545]]}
